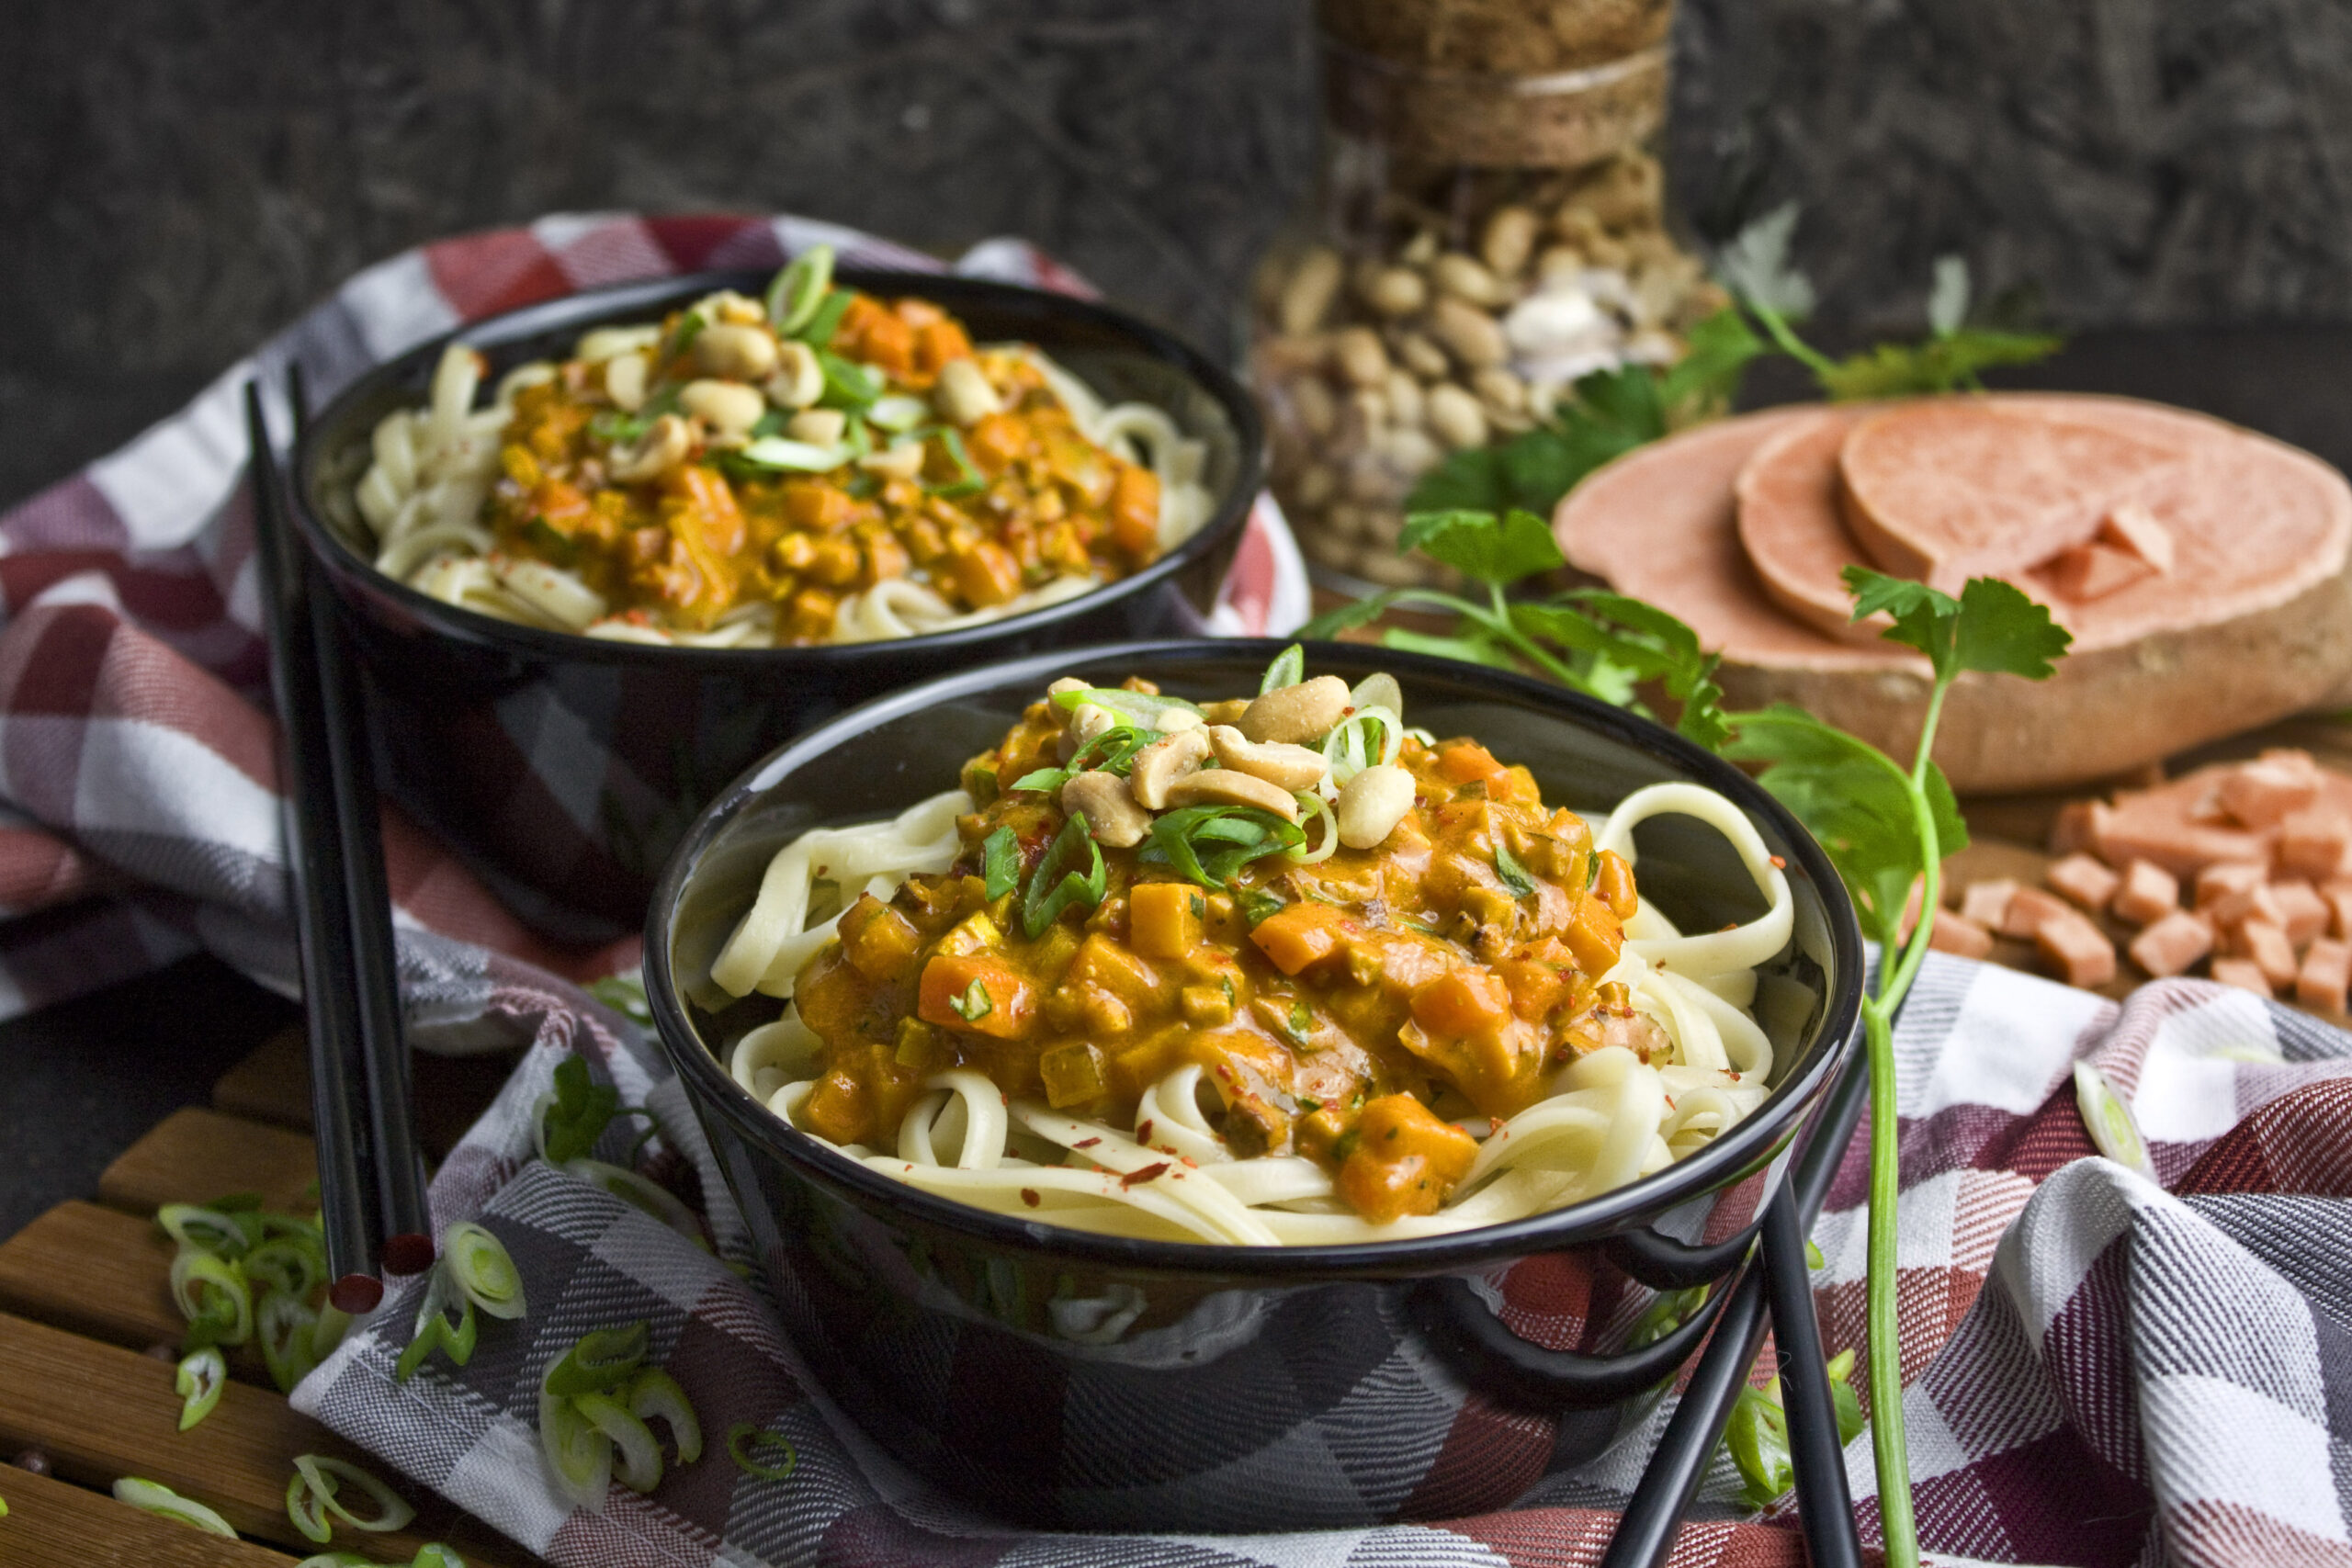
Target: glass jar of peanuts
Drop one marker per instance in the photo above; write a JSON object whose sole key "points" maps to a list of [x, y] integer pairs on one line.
{"points": [[1485, 228]]}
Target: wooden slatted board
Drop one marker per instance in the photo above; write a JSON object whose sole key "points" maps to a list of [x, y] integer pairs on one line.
{"points": [[89, 1337]]}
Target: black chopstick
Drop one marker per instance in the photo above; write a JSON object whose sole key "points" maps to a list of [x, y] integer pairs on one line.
{"points": [[350, 1218], [1646, 1529], [1825, 1507], [406, 1218]]}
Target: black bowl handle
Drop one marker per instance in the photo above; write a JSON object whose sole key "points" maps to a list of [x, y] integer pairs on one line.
{"points": [[1665, 1264], [1512, 1371]]}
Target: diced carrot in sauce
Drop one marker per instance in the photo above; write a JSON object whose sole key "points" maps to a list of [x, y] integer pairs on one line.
{"points": [[878, 942], [1164, 918], [987, 573], [996, 441], [1462, 1002], [1595, 936], [889, 343], [1536, 982], [977, 994], [1467, 762], [812, 504], [1298, 936], [1134, 510], [938, 341], [1403, 1160], [1614, 883], [838, 1108], [1515, 784]]}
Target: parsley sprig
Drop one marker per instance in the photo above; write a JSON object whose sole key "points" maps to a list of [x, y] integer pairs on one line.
{"points": [[1590, 640], [1886, 828]]}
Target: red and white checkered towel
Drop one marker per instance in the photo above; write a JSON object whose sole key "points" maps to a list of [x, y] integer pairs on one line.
{"points": [[2101, 1372], [138, 822]]}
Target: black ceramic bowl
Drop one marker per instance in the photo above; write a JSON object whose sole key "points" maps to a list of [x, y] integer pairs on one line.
{"points": [[1064, 1378], [565, 768]]}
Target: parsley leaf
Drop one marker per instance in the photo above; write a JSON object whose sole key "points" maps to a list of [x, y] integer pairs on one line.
{"points": [[1515, 876], [1472, 646], [1000, 862], [1939, 365], [1481, 545], [1992, 627], [1643, 640], [1857, 801]]}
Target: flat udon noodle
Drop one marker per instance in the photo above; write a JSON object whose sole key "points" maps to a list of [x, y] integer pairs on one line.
{"points": [[1610, 1117], [433, 469]]}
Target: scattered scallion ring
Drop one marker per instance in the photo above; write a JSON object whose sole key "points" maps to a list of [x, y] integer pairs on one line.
{"points": [[153, 1497], [339, 1560], [602, 1361], [637, 1458], [744, 1440], [2112, 1127], [292, 1264], [433, 1555], [578, 1456], [228, 1317], [286, 1328], [800, 288], [653, 1395], [323, 1473], [202, 1375], [308, 1510], [207, 1230], [480, 1267], [1288, 669]]}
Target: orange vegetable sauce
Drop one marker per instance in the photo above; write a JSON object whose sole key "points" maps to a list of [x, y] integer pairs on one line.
{"points": [[1350, 1011], [714, 532]]}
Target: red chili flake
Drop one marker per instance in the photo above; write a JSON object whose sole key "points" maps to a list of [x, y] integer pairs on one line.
{"points": [[1086, 1143], [1494, 1126], [1029, 1196], [1142, 1133], [1148, 1173], [1780, 864]]}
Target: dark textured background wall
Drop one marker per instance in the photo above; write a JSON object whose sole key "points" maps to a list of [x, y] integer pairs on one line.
{"points": [[179, 178]]}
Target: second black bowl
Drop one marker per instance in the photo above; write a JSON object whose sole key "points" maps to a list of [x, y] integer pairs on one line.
{"points": [[563, 769]]}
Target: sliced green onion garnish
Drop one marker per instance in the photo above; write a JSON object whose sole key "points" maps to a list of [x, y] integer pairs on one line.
{"points": [[898, 412], [284, 1325], [324, 1472], [202, 1375], [436, 1332], [968, 479], [209, 1230], [848, 384], [1288, 669], [2112, 1130], [798, 288], [479, 1264], [579, 1457], [433, 1555], [821, 326], [1135, 708], [637, 1457], [602, 1361], [744, 1441], [212, 1295], [328, 1332], [800, 457], [308, 1510], [153, 1497], [654, 1395], [338, 1559], [639, 1193], [296, 1264]]}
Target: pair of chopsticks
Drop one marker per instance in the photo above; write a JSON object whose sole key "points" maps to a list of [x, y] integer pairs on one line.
{"points": [[1780, 1294], [372, 1208]]}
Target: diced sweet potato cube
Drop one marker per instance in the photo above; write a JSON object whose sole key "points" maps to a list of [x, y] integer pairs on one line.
{"points": [[2171, 944], [2267, 944], [1164, 918], [2257, 903], [1957, 935], [2085, 879], [1467, 762], [2147, 893], [2262, 793], [1595, 936], [2030, 908], [2338, 895], [2078, 949], [2095, 571], [2326, 975], [878, 942], [1614, 884], [2227, 879], [2133, 529], [977, 994], [1462, 1002], [2243, 972], [2072, 829], [1987, 902], [1403, 1160], [2300, 908], [2312, 841], [1299, 935]]}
